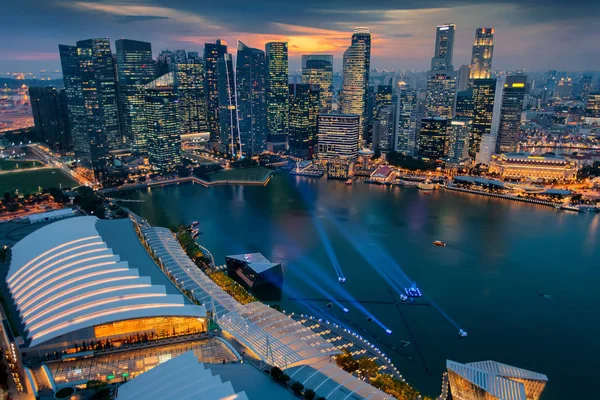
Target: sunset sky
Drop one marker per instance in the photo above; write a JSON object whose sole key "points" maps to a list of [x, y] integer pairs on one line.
{"points": [[530, 34]]}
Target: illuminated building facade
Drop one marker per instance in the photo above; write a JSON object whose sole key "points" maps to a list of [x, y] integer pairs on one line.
{"points": [[458, 133], [163, 119], [362, 35], [254, 270], [338, 136], [444, 48], [251, 81], [135, 68], [189, 83], [76, 109], [464, 104], [592, 109], [441, 90], [383, 128], [277, 95], [432, 138], [51, 117], [229, 141], [509, 128], [340, 168], [304, 103], [212, 53], [409, 121], [528, 166], [483, 50], [484, 92], [317, 69], [488, 380], [354, 92]]}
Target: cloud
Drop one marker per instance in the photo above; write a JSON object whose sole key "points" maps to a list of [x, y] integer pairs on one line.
{"points": [[29, 56], [139, 18]]}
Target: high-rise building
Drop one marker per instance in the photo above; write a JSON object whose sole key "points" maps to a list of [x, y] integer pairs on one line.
{"points": [[432, 138], [483, 50], [444, 48], [51, 117], [229, 140], [463, 78], [509, 126], [164, 62], [564, 89], [353, 96], [441, 90], [76, 110], [212, 53], [458, 133], [484, 91], [493, 380], [592, 109], [409, 121], [317, 69], [135, 68], [189, 85], [277, 96], [304, 105], [338, 136], [179, 56], [251, 80], [363, 35], [384, 128], [464, 104], [162, 116]]}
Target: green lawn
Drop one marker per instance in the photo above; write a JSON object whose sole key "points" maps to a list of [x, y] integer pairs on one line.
{"points": [[9, 165], [29, 181], [258, 174]]}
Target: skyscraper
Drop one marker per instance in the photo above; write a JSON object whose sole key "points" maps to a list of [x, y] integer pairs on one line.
{"points": [[441, 89], [51, 117], [338, 136], [135, 68], [189, 85], [212, 53], [277, 95], [304, 105], [444, 48], [251, 77], [483, 50], [432, 138], [509, 126], [464, 104], [383, 128], [458, 134], [353, 96], [363, 35], [409, 121], [484, 91], [229, 140], [74, 96], [162, 116], [463, 78], [317, 69]]}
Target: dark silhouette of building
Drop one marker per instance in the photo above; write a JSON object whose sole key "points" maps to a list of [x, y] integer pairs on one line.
{"points": [[304, 111], [51, 117]]}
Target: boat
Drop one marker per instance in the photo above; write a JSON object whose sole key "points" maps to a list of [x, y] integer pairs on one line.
{"points": [[426, 185], [329, 305], [462, 333], [413, 291], [345, 310], [388, 331], [568, 207], [403, 297], [195, 233], [341, 279], [439, 243], [349, 181], [195, 223]]}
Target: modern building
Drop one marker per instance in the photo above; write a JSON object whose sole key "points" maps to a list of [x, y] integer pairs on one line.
{"points": [[362, 35], [354, 91], [163, 119], [74, 97], [463, 78], [135, 68], [340, 168], [592, 109], [384, 128], [458, 133], [229, 141], [189, 85], [444, 48], [91, 281], [441, 91], [51, 117], [484, 92], [483, 50], [251, 81], [433, 137], [528, 166], [509, 128], [409, 121], [305, 103], [493, 380], [338, 136], [277, 96], [212, 53], [253, 270], [317, 69], [464, 104]]}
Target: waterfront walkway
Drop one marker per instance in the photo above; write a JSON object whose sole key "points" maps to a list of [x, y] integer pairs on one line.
{"points": [[502, 196]]}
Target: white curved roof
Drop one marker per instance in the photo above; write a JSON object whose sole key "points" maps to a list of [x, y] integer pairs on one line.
{"points": [[64, 277]]}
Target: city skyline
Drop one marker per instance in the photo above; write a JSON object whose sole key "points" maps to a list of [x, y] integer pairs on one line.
{"points": [[402, 37]]}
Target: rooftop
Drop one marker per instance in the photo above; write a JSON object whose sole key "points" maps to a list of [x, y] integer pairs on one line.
{"points": [[256, 261]]}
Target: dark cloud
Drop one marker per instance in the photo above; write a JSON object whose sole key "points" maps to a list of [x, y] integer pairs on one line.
{"points": [[138, 18]]}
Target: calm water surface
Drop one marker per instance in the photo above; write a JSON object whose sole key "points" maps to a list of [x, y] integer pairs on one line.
{"points": [[498, 255]]}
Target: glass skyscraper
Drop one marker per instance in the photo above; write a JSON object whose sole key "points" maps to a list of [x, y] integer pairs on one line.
{"points": [[509, 126], [277, 96], [441, 89], [304, 110], [74, 95], [484, 91], [483, 50], [135, 68], [51, 117], [189, 84], [444, 48], [432, 138], [458, 134], [353, 97], [212, 53], [363, 35], [408, 121], [229, 140], [251, 71], [317, 69]]}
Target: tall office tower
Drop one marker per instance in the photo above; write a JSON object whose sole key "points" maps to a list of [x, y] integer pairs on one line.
{"points": [[483, 50], [135, 68], [463, 78], [432, 138], [251, 79], [564, 89], [383, 98], [444, 48], [464, 104], [51, 117], [384, 128], [484, 91], [164, 62], [354, 92], [441, 89], [74, 96], [179, 57], [212, 53], [229, 140], [458, 133], [277, 95], [305, 103], [493, 380], [509, 126], [338, 136], [162, 116], [592, 109], [363, 35], [409, 121], [317, 69], [189, 84]]}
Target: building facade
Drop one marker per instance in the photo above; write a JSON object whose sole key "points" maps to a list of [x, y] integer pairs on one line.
{"points": [[317, 69], [74, 95], [444, 48], [432, 138], [483, 50], [384, 128], [509, 128], [229, 141], [354, 92], [484, 92], [528, 166], [458, 133], [441, 91], [338, 136], [592, 109], [212, 53], [304, 103], [409, 121], [51, 117], [189, 84], [277, 95], [362, 35]]}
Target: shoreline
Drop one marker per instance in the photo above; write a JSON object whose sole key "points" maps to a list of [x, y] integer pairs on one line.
{"points": [[503, 196]]}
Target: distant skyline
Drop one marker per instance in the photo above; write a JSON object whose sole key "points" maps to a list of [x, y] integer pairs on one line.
{"points": [[530, 34]]}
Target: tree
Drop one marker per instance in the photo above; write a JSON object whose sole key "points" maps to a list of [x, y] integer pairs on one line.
{"points": [[276, 373], [297, 387], [346, 362], [309, 394], [367, 367]]}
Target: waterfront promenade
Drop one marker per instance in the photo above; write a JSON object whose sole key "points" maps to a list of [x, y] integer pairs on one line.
{"points": [[503, 196]]}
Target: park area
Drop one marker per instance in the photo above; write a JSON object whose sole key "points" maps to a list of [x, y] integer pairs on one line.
{"points": [[30, 181], [10, 164], [251, 174]]}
